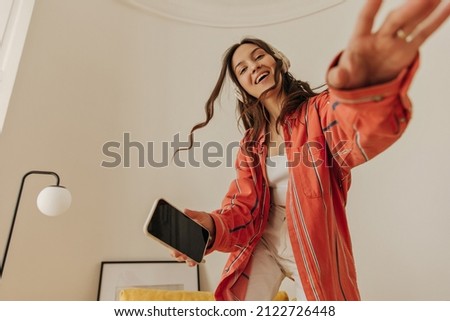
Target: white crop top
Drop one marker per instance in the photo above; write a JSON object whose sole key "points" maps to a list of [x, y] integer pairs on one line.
{"points": [[278, 176]]}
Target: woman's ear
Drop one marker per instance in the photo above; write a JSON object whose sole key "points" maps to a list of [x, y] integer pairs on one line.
{"points": [[286, 64]]}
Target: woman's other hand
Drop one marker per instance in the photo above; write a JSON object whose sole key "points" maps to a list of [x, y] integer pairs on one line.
{"points": [[203, 219], [375, 57]]}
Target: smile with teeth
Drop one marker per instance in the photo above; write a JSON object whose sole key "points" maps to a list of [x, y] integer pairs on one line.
{"points": [[261, 77]]}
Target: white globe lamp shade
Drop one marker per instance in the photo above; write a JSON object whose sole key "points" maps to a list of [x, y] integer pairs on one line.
{"points": [[54, 200]]}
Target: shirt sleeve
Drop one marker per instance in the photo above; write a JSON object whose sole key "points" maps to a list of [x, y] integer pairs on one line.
{"points": [[235, 221], [361, 123]]}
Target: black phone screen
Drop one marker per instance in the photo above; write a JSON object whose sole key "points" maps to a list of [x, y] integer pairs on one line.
{"points": [[180, 232]]}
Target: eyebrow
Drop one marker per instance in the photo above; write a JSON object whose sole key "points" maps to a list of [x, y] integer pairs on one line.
{"points": [[240, 62]]}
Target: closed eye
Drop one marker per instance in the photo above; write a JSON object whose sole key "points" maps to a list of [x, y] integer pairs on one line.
{"points": [[242, 70]]}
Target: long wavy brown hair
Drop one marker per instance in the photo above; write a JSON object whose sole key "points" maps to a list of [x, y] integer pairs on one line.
{"points": [[252, 113]]}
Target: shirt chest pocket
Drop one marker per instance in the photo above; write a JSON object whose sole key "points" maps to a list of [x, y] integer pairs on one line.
{"points": [[308, 166]]}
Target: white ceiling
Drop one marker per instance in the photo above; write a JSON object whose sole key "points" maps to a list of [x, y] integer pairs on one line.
{"points": [[234, 13]]}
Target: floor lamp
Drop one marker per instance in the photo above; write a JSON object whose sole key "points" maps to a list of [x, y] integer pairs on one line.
{"points": [[52, 201]]}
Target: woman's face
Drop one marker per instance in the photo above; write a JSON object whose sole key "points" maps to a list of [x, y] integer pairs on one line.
{"points": [[254, 68]]}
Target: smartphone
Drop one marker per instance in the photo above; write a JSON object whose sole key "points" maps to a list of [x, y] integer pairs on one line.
{"points": [[176, 230]]}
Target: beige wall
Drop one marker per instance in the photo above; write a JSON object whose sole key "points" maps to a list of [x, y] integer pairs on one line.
{"points": [[94, 70]]}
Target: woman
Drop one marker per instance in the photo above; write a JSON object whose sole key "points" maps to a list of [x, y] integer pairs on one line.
{"points": [[284, 214]]}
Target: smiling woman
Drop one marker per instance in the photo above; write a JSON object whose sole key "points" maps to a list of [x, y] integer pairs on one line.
{"points": [[234, 13], [302, 233]]}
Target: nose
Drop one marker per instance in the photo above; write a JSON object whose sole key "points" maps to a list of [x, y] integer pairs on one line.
{"points": [[255, 66]]}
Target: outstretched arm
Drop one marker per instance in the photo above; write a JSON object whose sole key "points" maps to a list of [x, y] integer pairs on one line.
{"points": [[374, 57]]}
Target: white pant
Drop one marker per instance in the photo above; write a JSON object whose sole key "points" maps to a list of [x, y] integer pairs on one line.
{"points": [[273, 260]]}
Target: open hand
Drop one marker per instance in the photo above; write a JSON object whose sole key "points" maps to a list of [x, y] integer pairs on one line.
{"points": [[376, 57]]}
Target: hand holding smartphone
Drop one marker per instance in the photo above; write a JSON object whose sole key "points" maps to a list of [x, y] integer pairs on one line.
{"points": [[176, 230]]}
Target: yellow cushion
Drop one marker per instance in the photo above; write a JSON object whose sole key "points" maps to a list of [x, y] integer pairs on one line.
{"points": [[281, 296], [144, 294]]}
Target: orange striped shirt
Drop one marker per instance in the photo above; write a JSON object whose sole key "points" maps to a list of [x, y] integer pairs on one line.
{"points": [[329, 135]]}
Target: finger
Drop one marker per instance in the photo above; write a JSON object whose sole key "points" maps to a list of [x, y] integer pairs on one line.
{"points": [[337, 78], [364, 22], [196, 216], [433, 22], [178, 256], [202, 218], [192, 214], [407, 17], [191, 263]]}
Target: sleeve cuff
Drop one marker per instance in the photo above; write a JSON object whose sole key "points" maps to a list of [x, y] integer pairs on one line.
{"points": [[378, 92], [218, 232]]}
